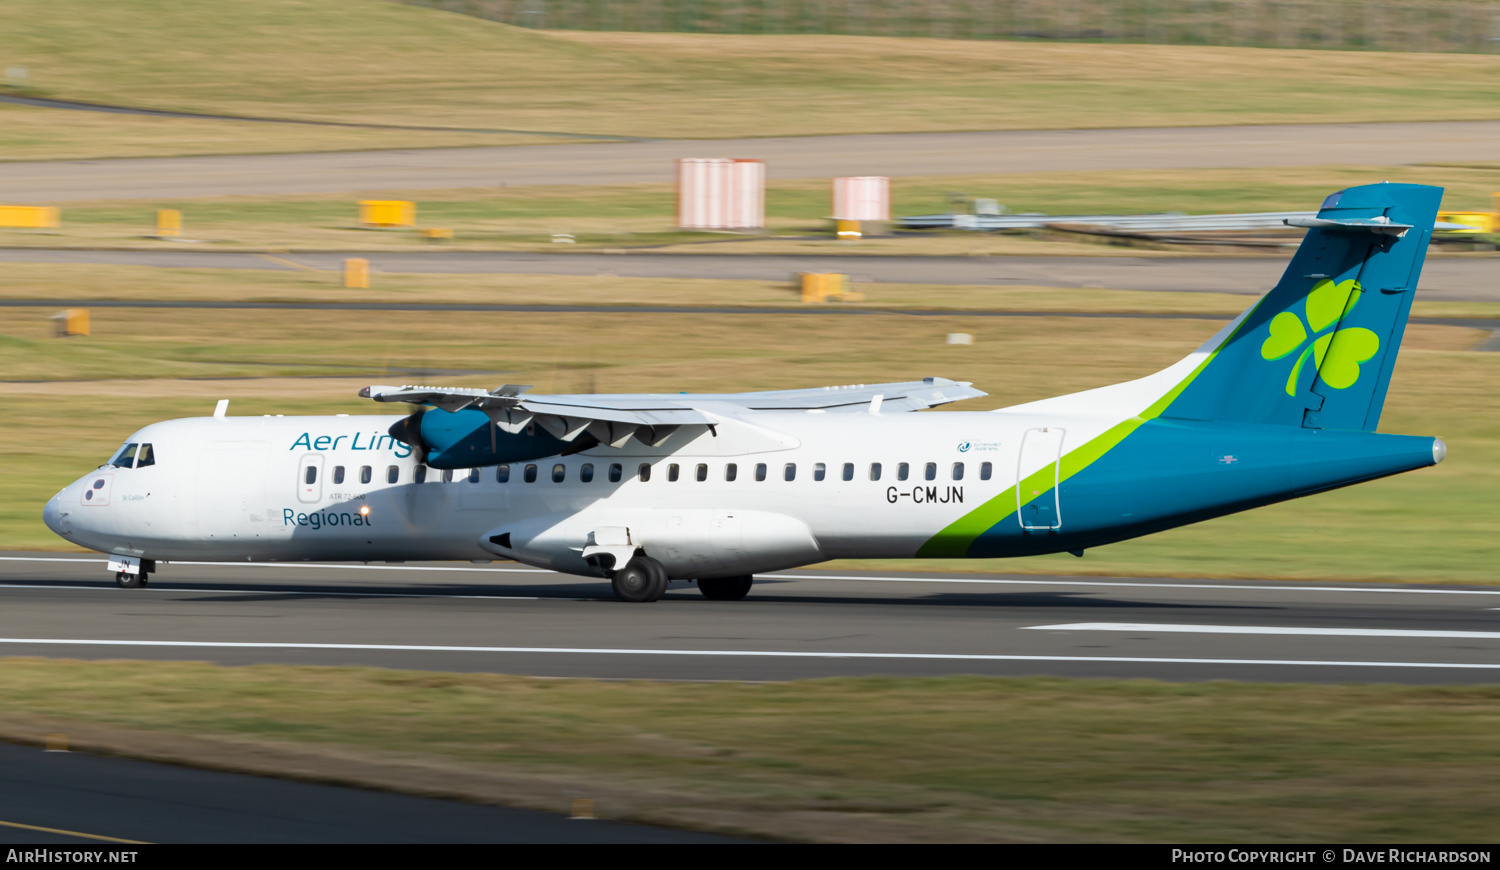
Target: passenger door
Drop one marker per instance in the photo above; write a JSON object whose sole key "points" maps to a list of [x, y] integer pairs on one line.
{"points": [[1037, 471]]}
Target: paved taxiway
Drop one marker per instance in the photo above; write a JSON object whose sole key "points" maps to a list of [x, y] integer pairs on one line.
{"points": [[509, 618], [88, 802], [892, 154], [1459, 279]]}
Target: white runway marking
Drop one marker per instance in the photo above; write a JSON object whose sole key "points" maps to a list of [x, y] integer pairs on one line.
{"points": [[298, 565], [212, 590], [724, 653], [1160, 628], [1289, 586]]}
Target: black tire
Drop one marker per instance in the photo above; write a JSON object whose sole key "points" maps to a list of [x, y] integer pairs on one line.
{"points": [[635, 582], [658, 576], [129, 581], [726, 588]]}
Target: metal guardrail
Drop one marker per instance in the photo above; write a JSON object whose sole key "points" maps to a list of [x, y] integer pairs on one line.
{"points": [[1140, 223]]}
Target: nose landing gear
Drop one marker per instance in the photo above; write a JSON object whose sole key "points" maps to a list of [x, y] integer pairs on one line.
{"points": [[130, 581], [131, 572]]}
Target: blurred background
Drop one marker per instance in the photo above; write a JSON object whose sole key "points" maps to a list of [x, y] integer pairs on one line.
{"points": [[278, 202]]}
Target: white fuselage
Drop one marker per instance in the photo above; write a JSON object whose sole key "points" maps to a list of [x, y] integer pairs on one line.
{"points": [[320, 488]]}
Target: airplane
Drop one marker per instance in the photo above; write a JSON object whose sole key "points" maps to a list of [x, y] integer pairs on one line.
{"points": [[645, 490]]}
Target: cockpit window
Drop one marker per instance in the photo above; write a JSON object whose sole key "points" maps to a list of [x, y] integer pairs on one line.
{"points": [[126, 457], [147, 457]]}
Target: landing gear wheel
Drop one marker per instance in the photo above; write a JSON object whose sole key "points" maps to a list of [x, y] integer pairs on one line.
{"points": [[644, 579], [726, 588], [658, 576], [129, 581]]}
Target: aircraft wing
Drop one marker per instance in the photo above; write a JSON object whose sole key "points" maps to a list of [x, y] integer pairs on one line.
{"points": [[613, 418]]}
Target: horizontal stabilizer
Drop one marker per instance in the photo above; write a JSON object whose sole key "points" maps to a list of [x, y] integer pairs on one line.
{"points": [[1380, 225]]}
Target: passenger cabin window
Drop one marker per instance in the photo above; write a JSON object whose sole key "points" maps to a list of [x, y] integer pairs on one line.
{"points": [[645, 471], [419, 475], [310, 475], [338, 474], [958, 471], [760, 471], [985, 470], [559, 473], [702, 472], [731, 471], [586, 472], [529, 474], [903, 471], [393, 474], [366, 474], [147, 457], [874, 471], [125, 458], [672, 472], [791, 471], [848, 471], [820, 471], [474, 475], [930, 472], [615, 472], [502, 474]]}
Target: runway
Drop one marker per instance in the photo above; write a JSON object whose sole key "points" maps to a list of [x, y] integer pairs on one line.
{"points": [[900, 154], [799, 624], [1458, 279]]}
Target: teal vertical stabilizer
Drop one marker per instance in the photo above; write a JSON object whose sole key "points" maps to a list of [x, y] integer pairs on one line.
{"points": [[1317, 351]]}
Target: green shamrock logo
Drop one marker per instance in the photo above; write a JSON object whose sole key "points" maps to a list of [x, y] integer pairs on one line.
{"points": [[1337, 354]]}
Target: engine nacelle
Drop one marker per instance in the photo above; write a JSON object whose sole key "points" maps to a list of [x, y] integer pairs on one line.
{"points": [[467, 439]]}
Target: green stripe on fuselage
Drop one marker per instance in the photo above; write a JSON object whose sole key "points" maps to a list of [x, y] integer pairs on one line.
{"points": [[954, 541]]}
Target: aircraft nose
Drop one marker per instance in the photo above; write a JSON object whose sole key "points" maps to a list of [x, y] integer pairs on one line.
{"points": [[55, 516]]}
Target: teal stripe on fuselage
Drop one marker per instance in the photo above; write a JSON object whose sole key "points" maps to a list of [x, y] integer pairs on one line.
{"points": [[1170, 473]]}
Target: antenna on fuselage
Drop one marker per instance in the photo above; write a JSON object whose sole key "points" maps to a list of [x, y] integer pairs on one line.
{"points": [[222, 408]]}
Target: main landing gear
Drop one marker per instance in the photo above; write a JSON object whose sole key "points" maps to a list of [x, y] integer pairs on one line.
{"points": [[726, 588], [644, 579]]}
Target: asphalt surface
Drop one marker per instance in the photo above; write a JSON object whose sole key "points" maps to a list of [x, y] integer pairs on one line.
{"points": [[75, 106], [1461, 279], [508, 618], [89, 802], [900, 154]]}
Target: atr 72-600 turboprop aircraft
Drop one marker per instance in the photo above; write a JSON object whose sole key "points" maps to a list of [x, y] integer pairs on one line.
{"points": [[648, 489]]}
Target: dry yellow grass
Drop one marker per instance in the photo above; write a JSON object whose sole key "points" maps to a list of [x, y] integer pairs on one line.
{"points": [[368, 61], [873, 759]]}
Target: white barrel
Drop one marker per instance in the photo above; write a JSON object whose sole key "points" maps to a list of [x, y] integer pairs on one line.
{"points": [[720, 193], [862, 198]]}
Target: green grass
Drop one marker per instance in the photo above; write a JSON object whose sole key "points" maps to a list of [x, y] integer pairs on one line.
{"points": [[643, 214], [956, 758], [1435, 525], [368, 61]]}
